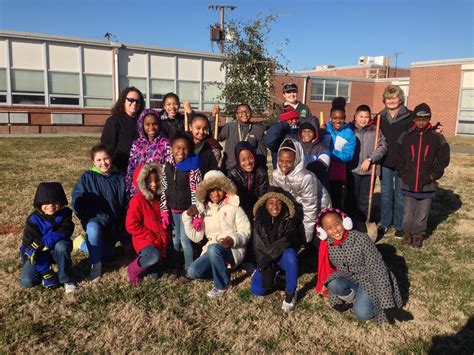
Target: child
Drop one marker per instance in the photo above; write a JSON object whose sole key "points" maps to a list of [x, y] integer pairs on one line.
{"points": [[99, 200], [242, 129], [317, 155], [225, 226], [47, 239], [423, 154], [143, 222], [352, 269], [359, 169], [171, 120], [275, 244], [341, 141], [150, 147], [303, 185], [180, 179], [208, 154]]}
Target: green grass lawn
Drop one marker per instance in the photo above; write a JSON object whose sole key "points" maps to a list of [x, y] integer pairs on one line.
{"points": [[111, 316]]}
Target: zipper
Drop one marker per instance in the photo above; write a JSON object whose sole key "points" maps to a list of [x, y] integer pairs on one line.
{"points": [[418, 162], [427, 148]]}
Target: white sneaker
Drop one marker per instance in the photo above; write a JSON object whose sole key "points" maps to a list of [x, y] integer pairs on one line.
{"points": [[214, 293], [288, 306], [69, 287], [96, 271]]}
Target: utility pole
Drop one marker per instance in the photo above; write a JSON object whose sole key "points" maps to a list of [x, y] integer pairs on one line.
{"points": [[396, 54], [218, 32]]}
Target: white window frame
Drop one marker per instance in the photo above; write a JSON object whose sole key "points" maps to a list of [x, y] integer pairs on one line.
{"points": [[324, 80]]}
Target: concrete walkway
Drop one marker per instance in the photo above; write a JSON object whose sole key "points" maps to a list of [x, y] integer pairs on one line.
{"points": [[462, 149]]}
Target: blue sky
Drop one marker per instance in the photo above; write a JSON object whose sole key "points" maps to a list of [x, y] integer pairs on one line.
{"points": [[319, 32]]}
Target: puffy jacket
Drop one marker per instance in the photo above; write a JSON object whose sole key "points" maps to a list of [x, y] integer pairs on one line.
{"points": [[365, 148], [306, 189], [143, 220], [392, 129], [422, 157], [342, 144], [220, 220]]}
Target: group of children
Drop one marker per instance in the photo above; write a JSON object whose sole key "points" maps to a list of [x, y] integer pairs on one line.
{"points": [[173, 197]]}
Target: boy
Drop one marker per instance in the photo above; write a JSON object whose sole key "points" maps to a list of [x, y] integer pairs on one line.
{"points": [[99, 200], [46, 238], [292, 176], [359, 169], [423, 154]]}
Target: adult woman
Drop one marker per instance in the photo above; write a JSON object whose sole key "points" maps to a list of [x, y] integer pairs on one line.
{"points": [[120, 129]]}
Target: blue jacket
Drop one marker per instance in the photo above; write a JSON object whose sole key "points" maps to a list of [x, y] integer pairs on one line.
{"points": [[100, 198], [345, 137]]}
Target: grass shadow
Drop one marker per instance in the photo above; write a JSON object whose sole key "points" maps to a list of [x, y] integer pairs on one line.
{"points": [[398, 266], [460, 343], [443, 205]]}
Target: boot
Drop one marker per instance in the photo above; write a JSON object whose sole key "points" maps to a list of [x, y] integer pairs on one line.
{"points": [[417, 241], [406, 240], [134, 272], [96, 271]]}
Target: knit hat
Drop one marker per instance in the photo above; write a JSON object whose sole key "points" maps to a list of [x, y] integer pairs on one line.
{"points": [[422, 111], [288, 113], [290, 87], [49, 192]]}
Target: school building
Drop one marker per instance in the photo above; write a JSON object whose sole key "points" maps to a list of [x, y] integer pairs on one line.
{"points": [[57, 84]]}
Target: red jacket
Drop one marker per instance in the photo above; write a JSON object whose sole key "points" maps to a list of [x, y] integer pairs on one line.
{"points": [[143, 220]]}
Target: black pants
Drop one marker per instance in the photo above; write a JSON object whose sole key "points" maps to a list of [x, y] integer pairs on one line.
{"points": [[415, 214], [335, 191], [357, 199]]}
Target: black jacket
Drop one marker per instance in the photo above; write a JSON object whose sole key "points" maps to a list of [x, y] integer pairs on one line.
{"points": [[178, 191], [422, 157], [392, 129], [168, 127], [208, 159], [119, 133]]}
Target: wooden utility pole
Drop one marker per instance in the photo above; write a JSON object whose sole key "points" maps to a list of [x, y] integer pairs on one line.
{"points": [[222, 8]]}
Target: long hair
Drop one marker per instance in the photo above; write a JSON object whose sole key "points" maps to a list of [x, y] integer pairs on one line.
{"points": [[119, 107]]}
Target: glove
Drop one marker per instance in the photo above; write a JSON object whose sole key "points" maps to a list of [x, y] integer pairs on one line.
{"points": [[165, 219], [49, 280], [198, 223], [30, 251]]}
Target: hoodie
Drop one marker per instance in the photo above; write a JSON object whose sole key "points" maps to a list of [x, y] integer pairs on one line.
{"points": [[342, 144]]}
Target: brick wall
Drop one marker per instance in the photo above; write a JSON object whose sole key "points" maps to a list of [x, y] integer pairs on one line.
{"points": [[358, 72]]}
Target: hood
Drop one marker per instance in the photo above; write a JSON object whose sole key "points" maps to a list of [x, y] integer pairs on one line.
{"points": [[214, 179], [49, 192], [403, 113], [299, 156], [139, 179], [309, 125], [141, 118], [278, 193], [243, 145]]}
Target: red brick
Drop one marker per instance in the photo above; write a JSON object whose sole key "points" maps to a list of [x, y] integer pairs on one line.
{"points": [[40, 118], [70, 129], [95, 119], [24, 129], [4, 129]]}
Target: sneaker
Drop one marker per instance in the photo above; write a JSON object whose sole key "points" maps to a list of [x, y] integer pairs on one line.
{"points": [[69, 287], [381, 231], [77, 242], [96, 272], [174, 275], [406, 240], [417, 241], [398, 234], [289, 302], [215, 293]]}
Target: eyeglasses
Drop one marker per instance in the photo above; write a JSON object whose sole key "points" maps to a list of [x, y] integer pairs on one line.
{"points": [[132, 100]]}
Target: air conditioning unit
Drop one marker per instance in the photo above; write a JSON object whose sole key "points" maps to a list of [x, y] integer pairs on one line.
{"points": [[362, 60]]}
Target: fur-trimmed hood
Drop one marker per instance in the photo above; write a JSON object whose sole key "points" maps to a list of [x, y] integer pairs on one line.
{"points": [[215, 179], [278, 193], [140, 175]]}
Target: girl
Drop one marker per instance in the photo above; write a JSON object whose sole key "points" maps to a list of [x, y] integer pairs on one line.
{"points": [[206, 148], [225, 226], [171, 120], [143, 222], [351, 268], [341, 141], [150, 147], [180, 179], [276, 241]]}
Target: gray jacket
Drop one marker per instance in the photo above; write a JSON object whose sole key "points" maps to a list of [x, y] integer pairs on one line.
{"points": [[365, 148]]}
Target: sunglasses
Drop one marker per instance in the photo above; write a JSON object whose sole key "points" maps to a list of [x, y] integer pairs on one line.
{"points": [[132, 100]]}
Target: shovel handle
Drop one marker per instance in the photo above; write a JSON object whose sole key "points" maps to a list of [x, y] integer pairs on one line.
{"points": [[372, 173]]}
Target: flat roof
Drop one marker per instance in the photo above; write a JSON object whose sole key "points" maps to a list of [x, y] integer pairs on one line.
{"points": [[345, 78], [365, 66], [435, 63]]}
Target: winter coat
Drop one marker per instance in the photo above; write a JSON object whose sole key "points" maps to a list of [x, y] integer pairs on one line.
{"points": [[272, 236], [342, 145], [207, 158], [365, 148], [422, 157], [305, 187], [144, 151], [143, 220], [226, 219], [392, 129], [101, 198], [118, 133], [169, 126], [303, 110], [358, 260]]}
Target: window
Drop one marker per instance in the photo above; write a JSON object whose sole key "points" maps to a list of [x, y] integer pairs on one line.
{"points": [[327, 90], [27, 87], [139, 83], [97, 90], [466, 106], [64, 88], [3, 85], [159, 88], [189, 90], [211, 93]]}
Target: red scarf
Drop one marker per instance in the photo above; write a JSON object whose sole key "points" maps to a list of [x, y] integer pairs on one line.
{"points": [[324, 266]]}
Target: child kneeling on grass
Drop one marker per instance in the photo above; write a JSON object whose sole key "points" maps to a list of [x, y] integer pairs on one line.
{"points": [[276, 237], [144, 223], [226, 227], [351, 268], [46, 239]]}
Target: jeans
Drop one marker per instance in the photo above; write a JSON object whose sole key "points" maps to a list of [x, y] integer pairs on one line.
{"points": [[391, 201], [149, 258], [288, 262], [363, 306], [97, 246], [357, 199], [213, 264], [415, 214], [181, 240], [61, 255]]}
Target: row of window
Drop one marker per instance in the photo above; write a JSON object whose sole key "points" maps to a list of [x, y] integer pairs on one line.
{"points": [[328, 90]]}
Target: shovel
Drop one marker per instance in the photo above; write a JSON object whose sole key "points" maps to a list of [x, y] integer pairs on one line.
{"points": [[371, 226]]}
